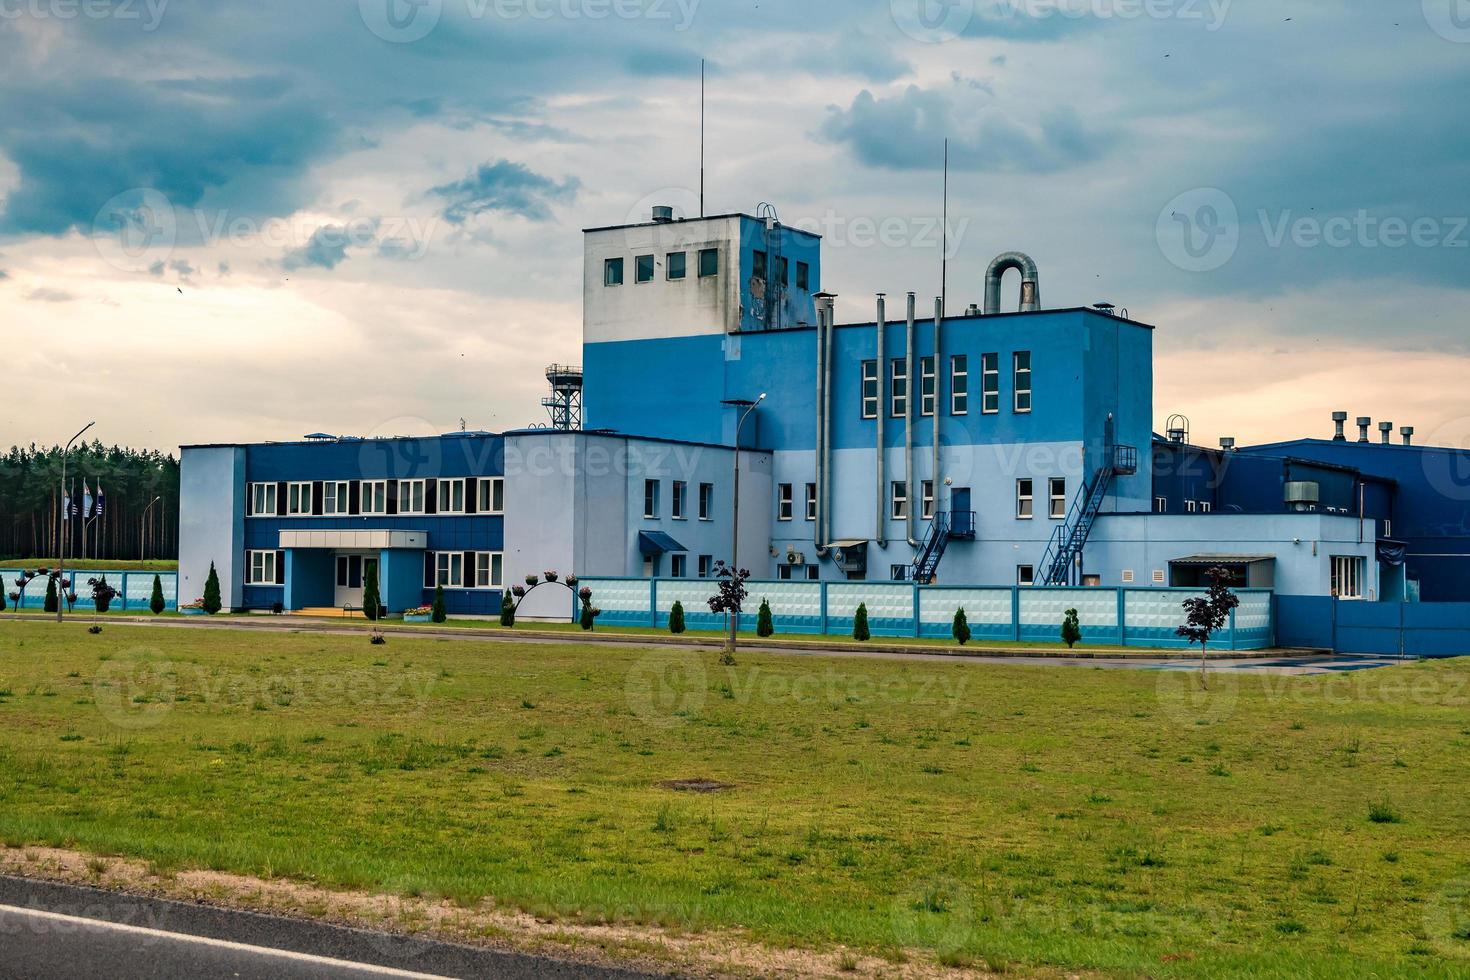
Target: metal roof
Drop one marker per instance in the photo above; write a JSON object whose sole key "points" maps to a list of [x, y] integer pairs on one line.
{"points": [[1221, 559]]}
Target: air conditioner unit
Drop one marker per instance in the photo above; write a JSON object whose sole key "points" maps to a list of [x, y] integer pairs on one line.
{"points": [[794, 557]]}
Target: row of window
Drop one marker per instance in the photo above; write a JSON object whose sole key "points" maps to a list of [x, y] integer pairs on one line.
{"points": [[464, 569], [678, 500], [959, 385], [1161, 506], [1056, 492], [707, 265], [340, 498], [899, 500]]}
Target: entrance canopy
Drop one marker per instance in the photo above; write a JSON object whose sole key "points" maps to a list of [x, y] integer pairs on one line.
{"points": [[1250, 571], [657, 542], [379, 540]]}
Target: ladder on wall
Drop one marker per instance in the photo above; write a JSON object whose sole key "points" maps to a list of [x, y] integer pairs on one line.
{"points": [[926, 562], [1059, 564]]}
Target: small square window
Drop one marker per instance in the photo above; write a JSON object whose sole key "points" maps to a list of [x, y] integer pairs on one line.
{"points": [[612, 272], [709, 262], [1023, 500], [783, 502], [803, 275], [678, 565], [706, 565], [643, 268], [1025, 575], [758, 264], [675, 264]]}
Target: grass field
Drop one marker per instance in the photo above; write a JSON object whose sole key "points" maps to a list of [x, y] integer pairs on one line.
{"points": [[1026, 817], [94, 564]]}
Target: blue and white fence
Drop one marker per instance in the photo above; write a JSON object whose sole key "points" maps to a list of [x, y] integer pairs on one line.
{"points": [[1108, 616], [134, 589]]}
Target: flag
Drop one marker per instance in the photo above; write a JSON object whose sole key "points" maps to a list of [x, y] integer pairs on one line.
{"points": [[100, 499], [86, 499], [72, 500]]}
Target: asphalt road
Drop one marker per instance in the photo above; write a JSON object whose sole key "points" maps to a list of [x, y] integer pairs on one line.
{"points": [[52, 931]]}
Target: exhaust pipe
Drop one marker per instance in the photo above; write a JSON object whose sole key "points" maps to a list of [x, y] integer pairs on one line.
{"points": [[908, 423], [1385, 430], [1407, 432], [938, 390], [1339, 419], [1030, 283], [1363, 423], [880, 536], [824, 315]]}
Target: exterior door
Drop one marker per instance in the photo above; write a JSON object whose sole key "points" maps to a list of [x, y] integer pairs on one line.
{"points": [[349, 581], [961, 518]]}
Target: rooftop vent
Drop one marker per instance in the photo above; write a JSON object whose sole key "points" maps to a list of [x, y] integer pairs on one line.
{"points": [[1339, 419], [662, 213], [1227, 443], [1407, 431], [1363, 424], [972, 310], [1107, 308], [1385, 431]]}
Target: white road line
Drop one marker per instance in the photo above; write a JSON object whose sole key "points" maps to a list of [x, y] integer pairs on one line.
{"points": [[285, 954]]}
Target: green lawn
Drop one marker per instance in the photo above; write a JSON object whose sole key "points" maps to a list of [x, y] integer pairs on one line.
{"points": [[1026, 816], [95, 564]]}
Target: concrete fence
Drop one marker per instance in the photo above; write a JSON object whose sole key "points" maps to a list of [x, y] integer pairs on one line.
{"points": [[1108, 616], [134, 589], [1412, 629]]}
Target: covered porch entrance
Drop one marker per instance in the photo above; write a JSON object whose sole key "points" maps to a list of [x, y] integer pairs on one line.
{"points": [[326, 571]]}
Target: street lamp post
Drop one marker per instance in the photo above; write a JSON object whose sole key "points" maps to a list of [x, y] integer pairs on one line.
{"points": [[749, 406], [144, 528], [66, 516]]}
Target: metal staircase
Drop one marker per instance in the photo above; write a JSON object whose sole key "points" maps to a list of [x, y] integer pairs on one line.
{"points": [[945, 526], [1059, 565]]}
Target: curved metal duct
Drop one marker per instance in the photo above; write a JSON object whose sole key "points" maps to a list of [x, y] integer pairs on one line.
{"points": [[1030, 285]]}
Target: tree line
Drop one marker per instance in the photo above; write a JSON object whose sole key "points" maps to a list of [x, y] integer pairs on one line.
{"points": [[139, 520]]}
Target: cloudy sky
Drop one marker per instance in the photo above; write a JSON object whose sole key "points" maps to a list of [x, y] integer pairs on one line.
{"points": [[256, 220]]}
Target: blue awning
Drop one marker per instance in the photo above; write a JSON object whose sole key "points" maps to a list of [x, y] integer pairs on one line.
{"points": [[657, 542]]}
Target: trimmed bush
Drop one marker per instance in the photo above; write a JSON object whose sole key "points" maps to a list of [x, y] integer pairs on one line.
{"points": [[212, 602], [676, 617], [507, 609], [102, 594], [589, 612], [156, 601], [860, 623], [372, 603], [763, 624], [437, 613], [1071, 629], [960, 629], [52, 599]]}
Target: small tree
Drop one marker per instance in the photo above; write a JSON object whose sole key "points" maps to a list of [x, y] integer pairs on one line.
{"points": [[51, 598], [763, 624], [507, 609], [437, 613], [1071, 629], [729, 596], [1208, 613], [860, 623], [212, 602], [102, 593], [372, 603], [676, 617], [155, 601], [960, 629]]}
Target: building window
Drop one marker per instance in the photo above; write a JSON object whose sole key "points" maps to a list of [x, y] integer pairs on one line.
{"points": [[899, 573], [783, 502], [449, 569], [959, 385], [451, 496], [650, 498], [803, 275], [1022, 380], [1387, 528], [489, 569], [298, 499], [410, 496], [1205, 506], [706, 565], [811, 501], [374, 497], [262, 500], [1057, 490], [758, 264], [677, 499], [334, 497], [898, 372], [490, 497], [261, 567], [1190, 506], [813, 572], [1347, 576], [1161, 505], [706, 501], [900, 500], [990, 383], [782, 269], [926, 490], [643, 268], [1025, 575], [870, 389], [676, 265], [926, 386], [679, 566], [1023, 500], [1127, 576], [709, 262], [1158, 576], [612, 272]]}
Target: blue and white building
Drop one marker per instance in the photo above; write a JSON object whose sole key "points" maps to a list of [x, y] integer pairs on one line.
{"points": [[980, 448]]}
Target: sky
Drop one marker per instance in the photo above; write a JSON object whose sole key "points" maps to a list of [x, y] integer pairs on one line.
{"points": [[240, 222]]}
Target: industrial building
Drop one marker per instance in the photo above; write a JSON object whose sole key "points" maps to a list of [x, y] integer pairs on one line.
{"points": [[982, 448]]}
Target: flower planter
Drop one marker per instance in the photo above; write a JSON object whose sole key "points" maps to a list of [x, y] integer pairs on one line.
{"points": [[191, 611], [427, 618]]}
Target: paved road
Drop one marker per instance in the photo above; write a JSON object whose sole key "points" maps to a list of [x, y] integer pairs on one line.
{"points": [[51, 931]]}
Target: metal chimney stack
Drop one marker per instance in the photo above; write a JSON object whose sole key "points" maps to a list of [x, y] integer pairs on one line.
{"points": [[1385, 430], [1364, 422], [1227, 443], [1339, 418], [1407, 432]]}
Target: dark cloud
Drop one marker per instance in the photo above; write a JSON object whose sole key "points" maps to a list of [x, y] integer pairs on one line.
{"points": [[504, 186], [906, 130], [326, 249]]}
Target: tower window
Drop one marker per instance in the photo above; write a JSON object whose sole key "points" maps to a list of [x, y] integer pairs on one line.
{"points": [[675, 264], [643, 268], [803, 275], [612, 272], [709, 262]]}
